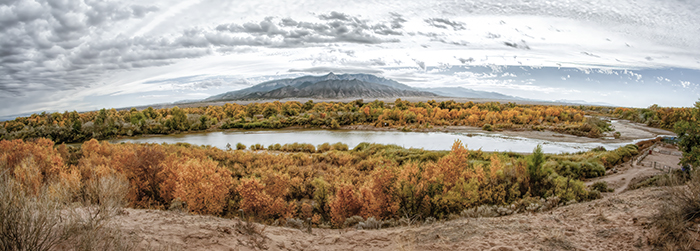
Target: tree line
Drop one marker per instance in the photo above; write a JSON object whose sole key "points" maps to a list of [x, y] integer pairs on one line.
{"points": [[70, 127]]}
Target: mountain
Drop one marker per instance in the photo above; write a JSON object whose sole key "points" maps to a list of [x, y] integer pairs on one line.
{"points": [[337, 89], [459, 92], [326, 86]]}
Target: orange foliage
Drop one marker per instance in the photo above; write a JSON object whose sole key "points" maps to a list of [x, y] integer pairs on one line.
{"points": [[202, 184], [31, 163], [345, 204], [254, 200]]}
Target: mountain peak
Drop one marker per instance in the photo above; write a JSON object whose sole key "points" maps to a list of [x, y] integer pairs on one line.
{"points": [[331, 76]]}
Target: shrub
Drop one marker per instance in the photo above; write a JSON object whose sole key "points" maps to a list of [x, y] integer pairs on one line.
{"points": [[487, 127], [370, 223], [617, 135], [352, 221], [240, 146], [294, 223], [253, 199], [345, 204], [202, 184], [340, 146], [601, 186], [325, 147], [47, 221]]}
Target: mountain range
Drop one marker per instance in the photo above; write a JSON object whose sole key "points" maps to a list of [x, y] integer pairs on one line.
{"points": [[343, 86]]}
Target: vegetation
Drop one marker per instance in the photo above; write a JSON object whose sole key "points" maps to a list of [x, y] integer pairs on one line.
{"points": [[70, 127], [676, 217], [329, 183], [654, 116], [689, 134], [40, 210]]}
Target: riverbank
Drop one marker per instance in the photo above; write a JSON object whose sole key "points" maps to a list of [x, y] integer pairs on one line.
{"points": [[629, 131]]}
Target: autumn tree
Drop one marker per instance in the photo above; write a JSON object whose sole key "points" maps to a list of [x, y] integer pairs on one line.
{"points": [[345, 204], [202, 184]]}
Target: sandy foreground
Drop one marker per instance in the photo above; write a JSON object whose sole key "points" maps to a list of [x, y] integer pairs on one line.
{"points": [[619, 221], [616, 222]]}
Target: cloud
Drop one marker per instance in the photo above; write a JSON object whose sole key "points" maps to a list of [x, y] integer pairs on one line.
{"points": [[466, 60], [443, 23], [335, 16], [325, 69], [58, 45], [519, 45], [54, 52], [335, 27]]}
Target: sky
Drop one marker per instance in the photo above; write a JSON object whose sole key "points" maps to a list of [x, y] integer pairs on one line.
{"points": [[58, 55]]}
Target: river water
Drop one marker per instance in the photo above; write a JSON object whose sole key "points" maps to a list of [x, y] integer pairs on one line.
{"points": [[426, 140]]}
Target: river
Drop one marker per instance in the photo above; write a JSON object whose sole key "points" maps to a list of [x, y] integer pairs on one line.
{"points": [[425, 140]]}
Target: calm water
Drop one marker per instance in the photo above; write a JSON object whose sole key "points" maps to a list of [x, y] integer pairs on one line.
{"points": [[427, 141]]}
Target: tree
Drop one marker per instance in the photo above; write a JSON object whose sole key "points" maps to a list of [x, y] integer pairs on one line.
{"points": [[689, 138], [178, 121], [537, 172]]}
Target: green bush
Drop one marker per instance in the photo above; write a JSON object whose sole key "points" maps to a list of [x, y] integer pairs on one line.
{"points": [[601, 186], [275, 147], [340, 146], [325, 147], [240, 146]]}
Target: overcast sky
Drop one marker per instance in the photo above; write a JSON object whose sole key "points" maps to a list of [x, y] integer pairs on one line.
{"points": [[59, 55]]}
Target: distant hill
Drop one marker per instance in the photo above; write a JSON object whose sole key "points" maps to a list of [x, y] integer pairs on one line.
{"points": [[332, 86], [338, 89], [459, 92], [326, 86]]}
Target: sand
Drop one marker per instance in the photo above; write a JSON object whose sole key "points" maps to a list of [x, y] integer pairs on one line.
{"points": [[618, 221]]}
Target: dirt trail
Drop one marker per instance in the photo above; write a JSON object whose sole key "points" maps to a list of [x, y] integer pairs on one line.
{"points": [[665, 156]]}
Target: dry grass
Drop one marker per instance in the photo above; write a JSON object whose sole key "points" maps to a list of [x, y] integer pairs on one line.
{"points": [[255, 233], [28, 222], [676, 220], [50, 219]]}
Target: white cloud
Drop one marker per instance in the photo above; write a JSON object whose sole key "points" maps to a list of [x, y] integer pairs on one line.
{"points": [[60, 53]]}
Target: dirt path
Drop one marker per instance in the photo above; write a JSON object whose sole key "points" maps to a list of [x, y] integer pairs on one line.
{"points": [[665, 156]]}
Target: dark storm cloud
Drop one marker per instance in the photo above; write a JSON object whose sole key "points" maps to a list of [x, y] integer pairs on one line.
{"points": [[444, 23]]}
